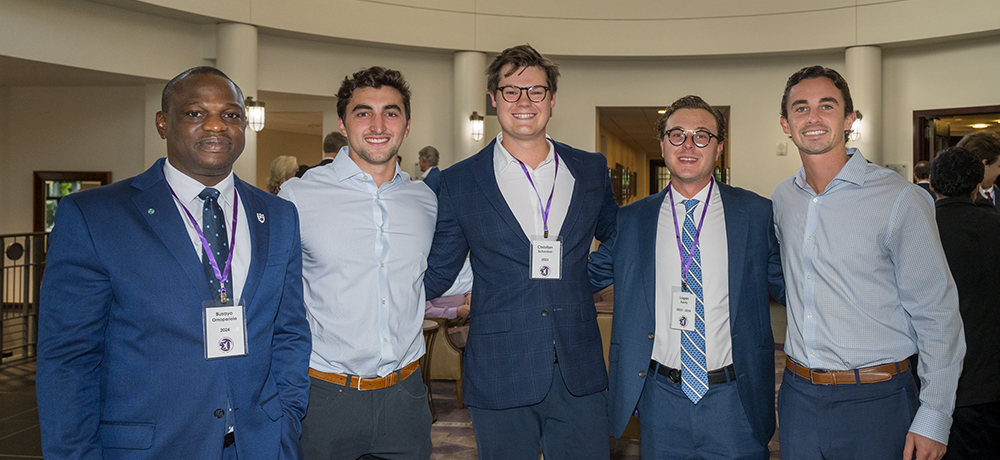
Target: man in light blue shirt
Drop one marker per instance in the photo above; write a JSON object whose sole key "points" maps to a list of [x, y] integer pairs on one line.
{"points": [[867, 286], [366, 233]]}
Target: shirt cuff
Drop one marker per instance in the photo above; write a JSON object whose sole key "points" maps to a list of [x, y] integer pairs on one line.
{"points": [[931, 424]]}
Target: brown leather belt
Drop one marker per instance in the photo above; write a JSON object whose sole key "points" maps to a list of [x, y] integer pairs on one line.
{"points": [[867, 375], [366, 384]]}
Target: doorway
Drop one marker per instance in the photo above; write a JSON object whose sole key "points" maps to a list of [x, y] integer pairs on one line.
{"points": [[937, 129]]}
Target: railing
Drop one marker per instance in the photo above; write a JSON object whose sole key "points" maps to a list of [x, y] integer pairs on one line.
{"points": [[20, 281]]}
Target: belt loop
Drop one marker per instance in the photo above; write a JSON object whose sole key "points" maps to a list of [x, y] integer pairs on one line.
{"points": [[897, 368], [857, 376]]}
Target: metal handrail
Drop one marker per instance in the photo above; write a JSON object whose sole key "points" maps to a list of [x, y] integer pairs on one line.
{"points": [[23, 262]]}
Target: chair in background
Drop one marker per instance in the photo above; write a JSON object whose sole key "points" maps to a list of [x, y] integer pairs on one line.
{"points": [[447, 363]]}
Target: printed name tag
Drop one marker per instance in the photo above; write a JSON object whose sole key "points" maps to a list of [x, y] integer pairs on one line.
{"points": [[546, 258], [225, 330], [682, 311]]}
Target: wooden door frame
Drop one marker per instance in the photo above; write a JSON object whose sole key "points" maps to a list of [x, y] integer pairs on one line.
{"points": [[920, 117]]}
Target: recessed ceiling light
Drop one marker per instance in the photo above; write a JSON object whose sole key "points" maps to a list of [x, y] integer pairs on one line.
{"points": [[980, 125], [661, 112]]}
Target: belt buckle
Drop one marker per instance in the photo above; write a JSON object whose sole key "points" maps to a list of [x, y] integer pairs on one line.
{"points": [[817, 371]]}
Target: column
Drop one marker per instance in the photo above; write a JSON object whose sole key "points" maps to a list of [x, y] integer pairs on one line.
{"points": [[864, 75], [470, 96], [236, 55]]}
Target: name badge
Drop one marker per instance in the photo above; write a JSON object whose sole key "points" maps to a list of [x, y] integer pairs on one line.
{"points": [[225, 330], [682, 310], [546, 258]]}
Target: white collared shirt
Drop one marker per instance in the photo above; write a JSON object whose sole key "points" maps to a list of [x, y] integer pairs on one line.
{"points": [[521, 197], [714, 247], [988, 193], [187, 191], [364, 254], [425, 173]]}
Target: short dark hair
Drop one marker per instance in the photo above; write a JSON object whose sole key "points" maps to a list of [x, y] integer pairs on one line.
{"points": [[956, 172], [430, 155], [334, 142], [985, 144], [372, 77], [692, 102], [168, 91], [922, 170], [521, 56], [818, 71]]}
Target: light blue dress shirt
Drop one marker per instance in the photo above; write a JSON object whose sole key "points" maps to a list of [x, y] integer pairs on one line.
{"points": [[868, 283], [364, 253]]}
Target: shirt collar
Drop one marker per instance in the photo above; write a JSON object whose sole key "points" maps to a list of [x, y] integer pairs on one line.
{"points": [[701, 196], [345, 168], [425, 173], [187, 188], [853, 172], [502, 159]]}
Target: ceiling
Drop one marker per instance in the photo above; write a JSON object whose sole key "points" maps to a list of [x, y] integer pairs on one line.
{"points": [[962, 125]]}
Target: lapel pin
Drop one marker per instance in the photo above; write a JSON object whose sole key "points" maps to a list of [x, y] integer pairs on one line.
{"points": [[260, 217], [151, 211]]}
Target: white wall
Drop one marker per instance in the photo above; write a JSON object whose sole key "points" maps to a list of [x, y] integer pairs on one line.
{"points": [[65, 129]]}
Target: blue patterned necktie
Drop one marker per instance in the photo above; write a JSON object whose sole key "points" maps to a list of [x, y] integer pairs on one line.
{"points": [[213, 224], [694, 374]]}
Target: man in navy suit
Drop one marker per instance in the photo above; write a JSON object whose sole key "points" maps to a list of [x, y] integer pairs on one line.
{"points": [[986, 145], [146, 348], [526, 209], [428, 159], [692, 268]]}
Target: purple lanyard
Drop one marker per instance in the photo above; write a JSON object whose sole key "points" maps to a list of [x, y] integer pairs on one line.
{"points": [[221, 275], [548, 204], [686, 261]]}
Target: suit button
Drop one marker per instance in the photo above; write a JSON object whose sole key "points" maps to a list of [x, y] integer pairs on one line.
{"points": [[545, 313], [219, 413], [650, 336], [642, 374]]}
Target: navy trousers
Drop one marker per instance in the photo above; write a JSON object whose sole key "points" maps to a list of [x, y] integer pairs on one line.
{"points": [[866, 420]]}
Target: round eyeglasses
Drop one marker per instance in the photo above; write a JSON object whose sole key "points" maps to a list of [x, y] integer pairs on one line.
{"points": [[701, 138], [512, 94]]}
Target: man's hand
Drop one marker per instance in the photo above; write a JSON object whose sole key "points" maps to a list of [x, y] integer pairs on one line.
{"points": [[462, 311], [920, 448]]}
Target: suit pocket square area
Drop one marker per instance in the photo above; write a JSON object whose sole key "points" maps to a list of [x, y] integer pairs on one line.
{"points": [[121, 435], [272, 407]]}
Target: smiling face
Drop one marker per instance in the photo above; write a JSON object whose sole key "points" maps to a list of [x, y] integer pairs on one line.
{"points": [[690, 166], [375, 125], [203, 127], [523, 120], [816, 119]]}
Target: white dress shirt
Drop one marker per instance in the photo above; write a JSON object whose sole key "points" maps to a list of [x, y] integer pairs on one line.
{"points": [[988, 193], [187, 191], [520, 195], [425, 173], [364, 253], [715, 280]]}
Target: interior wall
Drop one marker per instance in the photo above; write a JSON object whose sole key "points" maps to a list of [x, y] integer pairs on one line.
{"points": [[618, 152], [306, 148], [66, 129]]}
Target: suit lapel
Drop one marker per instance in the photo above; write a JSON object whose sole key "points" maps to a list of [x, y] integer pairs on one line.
{"points": [[486, 179], [648, 220], [154, 202], [260, 230], [573, 163], [737, 234]]}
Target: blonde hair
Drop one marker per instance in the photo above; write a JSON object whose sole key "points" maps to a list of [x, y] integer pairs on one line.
{"points": [[281, 168]]}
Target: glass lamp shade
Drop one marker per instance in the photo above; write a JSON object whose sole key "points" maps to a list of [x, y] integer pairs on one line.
{"points": [[255, 114]]}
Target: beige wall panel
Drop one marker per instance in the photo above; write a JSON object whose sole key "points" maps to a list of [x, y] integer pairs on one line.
{"points": [[458, 6], [67, 129], [922, 19], [98, 37], [228, 10], [271, 144], [644, 10]]}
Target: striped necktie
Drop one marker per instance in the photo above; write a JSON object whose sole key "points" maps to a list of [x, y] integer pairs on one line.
{"points": [[694, 374]]}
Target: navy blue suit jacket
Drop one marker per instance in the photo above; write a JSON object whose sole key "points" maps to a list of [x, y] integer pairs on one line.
{"points": [[121, 361], [628, 259], [514, 319], [432, 179]]}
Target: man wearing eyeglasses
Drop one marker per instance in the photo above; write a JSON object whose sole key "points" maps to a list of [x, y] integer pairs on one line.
{"points": [[691, 343], [526, 209]]}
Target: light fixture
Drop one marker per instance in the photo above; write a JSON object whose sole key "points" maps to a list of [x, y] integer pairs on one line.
{"points": [[856, 126], [255, 114], [980, 125], [661, 111], [477, 126]]}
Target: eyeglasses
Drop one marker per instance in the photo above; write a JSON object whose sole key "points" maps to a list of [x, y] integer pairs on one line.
{"points": [[512, 94], [701, 138]]}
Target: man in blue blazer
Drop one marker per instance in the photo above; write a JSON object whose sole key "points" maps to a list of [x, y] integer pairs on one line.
{"points": [[526, 209], [428, 159], [678, 313], [132, 362]]}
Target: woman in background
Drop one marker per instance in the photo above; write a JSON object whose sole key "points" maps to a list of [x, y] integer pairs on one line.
{"points": [[282, 169]]}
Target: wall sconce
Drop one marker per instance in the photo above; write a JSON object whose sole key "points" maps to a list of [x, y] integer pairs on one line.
{"points": [[477, 126], [856, 127], [255, 114]]}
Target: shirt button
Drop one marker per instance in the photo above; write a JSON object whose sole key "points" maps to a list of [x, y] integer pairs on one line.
{"points": [[812, 353], [219, 413], [815, 200], [809, 238], [383, 301], [809, 316], [642, 374], [650, 336], [545, 313], [382, 265], [809, 277]]}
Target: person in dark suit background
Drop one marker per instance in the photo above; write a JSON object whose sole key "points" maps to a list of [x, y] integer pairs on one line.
{"points": [[969, 238], [534, 362], [736, 264], [986, 145], [922, 176], [331, 147], [125, 368], [428, 160]]}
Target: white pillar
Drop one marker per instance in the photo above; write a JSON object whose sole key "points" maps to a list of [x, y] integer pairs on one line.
{"points": [[864, 75], [236, 55], [470, 96], [155, 148]]}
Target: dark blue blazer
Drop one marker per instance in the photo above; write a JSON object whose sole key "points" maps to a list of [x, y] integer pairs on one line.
{"points": [[514, 319], [121, 362], [432, 179], [754, 270]]}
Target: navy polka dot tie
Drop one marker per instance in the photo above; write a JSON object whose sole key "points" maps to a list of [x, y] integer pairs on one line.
{"points": [[213, 224]]}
